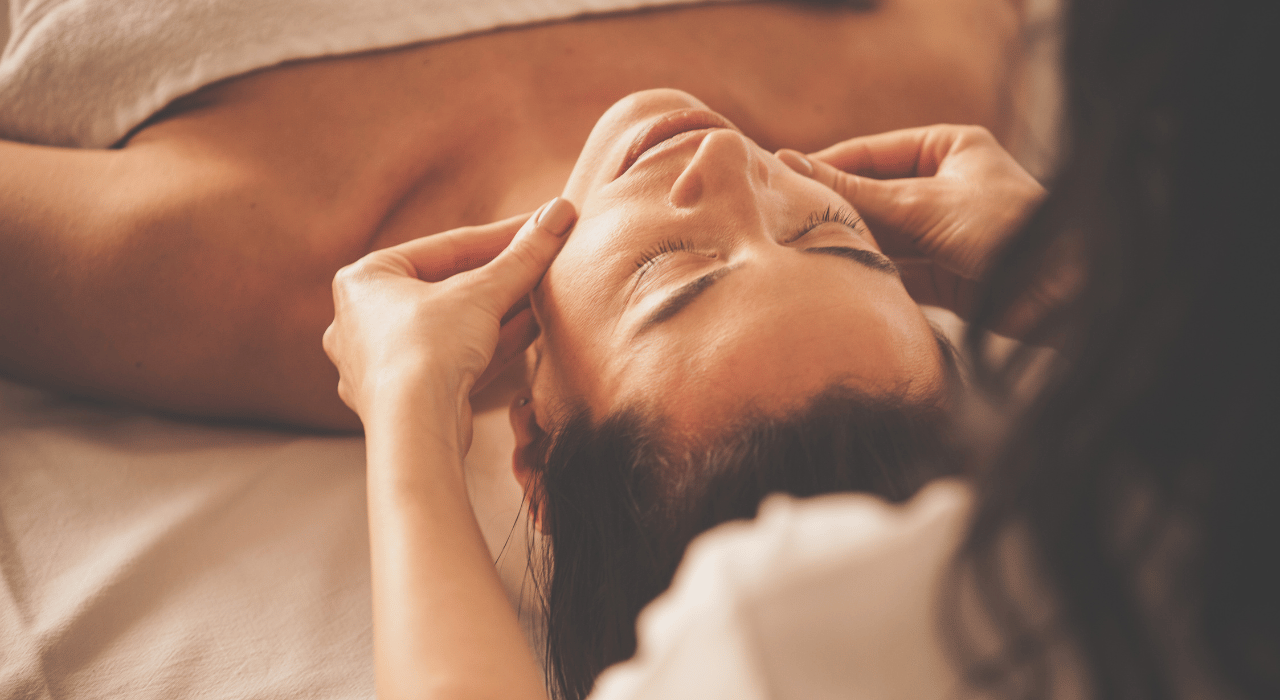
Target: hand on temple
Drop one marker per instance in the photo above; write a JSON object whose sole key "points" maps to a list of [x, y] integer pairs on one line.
{"points": [[416, 328], [940, 201], [442, 314]]}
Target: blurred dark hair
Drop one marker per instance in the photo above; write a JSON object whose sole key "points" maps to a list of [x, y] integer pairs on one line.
{"points": [[1159, 418], [620, 501]]}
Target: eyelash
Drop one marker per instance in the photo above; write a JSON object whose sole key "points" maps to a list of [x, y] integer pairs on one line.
{"points": [[663, 248], [842, 215]]}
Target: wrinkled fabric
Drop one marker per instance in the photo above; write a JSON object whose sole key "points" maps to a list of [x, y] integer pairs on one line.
{"points": [[145, 558], [152, 559], [85, 72]]}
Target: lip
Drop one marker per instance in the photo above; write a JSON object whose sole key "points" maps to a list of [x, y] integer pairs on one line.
{"points": [[668, 126]]}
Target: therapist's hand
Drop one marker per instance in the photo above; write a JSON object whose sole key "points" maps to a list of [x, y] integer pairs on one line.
{"points": [[431, 320], [940, 201]]}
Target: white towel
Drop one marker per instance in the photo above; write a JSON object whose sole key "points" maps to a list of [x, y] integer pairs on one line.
{"points": [[85, 72]]}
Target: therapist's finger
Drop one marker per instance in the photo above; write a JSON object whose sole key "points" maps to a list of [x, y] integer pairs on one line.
{"points": [[891, 209], [442, 255], [515, 336], [519, 268], [927, 284], [903, 153], [875, 200]]}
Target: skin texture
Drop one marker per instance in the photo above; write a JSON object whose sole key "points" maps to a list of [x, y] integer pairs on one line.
{"points": [[782, 321], [189, 270]]}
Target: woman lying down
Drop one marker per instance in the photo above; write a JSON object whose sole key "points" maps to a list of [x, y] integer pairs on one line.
{"points": [[711, 326]]}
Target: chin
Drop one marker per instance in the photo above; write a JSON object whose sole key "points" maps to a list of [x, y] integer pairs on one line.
{"points": [[607, 144]]}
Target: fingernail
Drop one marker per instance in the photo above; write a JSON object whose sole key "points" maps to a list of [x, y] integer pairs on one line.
{"points": [[796, 161], [557, 216]]}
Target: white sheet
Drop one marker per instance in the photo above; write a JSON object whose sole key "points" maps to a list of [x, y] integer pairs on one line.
{"points": [[143, 557]]}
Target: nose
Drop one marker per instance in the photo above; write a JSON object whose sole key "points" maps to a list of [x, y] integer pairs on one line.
{"points": [[725, 164]]}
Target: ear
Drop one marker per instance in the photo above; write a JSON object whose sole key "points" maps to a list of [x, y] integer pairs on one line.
{"points": [[524, 422]]}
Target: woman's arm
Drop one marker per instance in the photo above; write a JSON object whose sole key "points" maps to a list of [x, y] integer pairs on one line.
{"points": [[443, 627], [163, 276]]}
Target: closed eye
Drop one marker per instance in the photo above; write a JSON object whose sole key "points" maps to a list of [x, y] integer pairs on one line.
{"points": [[840, 215], [663, 249], [681, 298]]}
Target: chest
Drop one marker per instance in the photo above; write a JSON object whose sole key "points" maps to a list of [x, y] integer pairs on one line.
{"points": [[386, 146]]}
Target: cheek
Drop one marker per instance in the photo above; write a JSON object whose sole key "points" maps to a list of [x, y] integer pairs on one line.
{"points": [[583, 180], [554, 390], [571, 312], [544, 394], [594, 169]]}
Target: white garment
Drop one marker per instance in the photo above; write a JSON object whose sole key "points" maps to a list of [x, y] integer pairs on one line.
{"points": [[831, 597], [85, 72]]}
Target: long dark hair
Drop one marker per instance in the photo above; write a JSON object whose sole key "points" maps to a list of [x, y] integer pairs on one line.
{"points": [[620, 502], [1158, 424]]}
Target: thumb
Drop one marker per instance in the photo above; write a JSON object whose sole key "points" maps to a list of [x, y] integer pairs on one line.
{"points": [[874, 199], [519, 268], [443, 255], [880, 203]]}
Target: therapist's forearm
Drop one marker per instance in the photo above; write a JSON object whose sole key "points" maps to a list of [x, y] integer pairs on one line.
{"points": [[443, 627]]}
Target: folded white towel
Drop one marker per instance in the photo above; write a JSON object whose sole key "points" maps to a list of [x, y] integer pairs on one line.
{"points": [[85, 72]]}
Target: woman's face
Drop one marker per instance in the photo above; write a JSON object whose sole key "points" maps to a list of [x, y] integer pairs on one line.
{"points": [[704, 276]]}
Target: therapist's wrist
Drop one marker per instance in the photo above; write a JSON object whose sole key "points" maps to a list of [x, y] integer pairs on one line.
{"points": [[416, 394]]}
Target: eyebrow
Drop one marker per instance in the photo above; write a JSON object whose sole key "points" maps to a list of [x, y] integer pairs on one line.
{"points": [[867, 258], [678, 300]]}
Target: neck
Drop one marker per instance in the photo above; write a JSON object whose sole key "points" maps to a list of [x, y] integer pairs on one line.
{"points": [[788, 76], [482, 127]]}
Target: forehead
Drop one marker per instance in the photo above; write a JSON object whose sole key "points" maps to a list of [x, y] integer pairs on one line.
{"points": [[772, 350]]}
